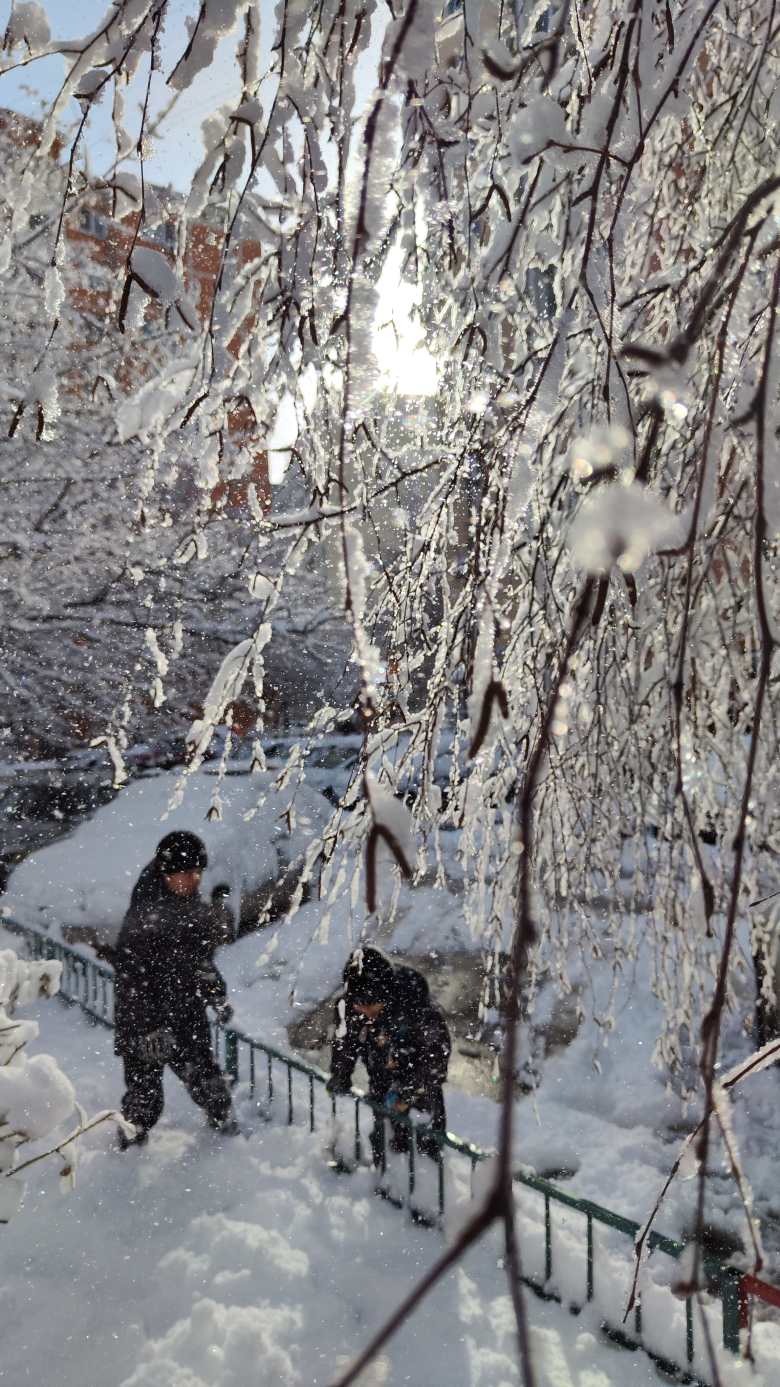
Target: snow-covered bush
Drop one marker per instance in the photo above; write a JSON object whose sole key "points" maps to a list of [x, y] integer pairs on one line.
{"points": [[35, 1095]]}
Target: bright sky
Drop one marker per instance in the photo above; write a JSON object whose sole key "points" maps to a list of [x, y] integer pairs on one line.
{"points": [[176, 156], [407, 367]]}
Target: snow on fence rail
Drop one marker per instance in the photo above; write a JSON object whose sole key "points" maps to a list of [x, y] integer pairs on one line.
{"points": [[581, 1253]]}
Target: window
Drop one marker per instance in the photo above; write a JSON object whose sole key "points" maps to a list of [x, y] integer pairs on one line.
{"points": [[164, 234], [92, 224]]}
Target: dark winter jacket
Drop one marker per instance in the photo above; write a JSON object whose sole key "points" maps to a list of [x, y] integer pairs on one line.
{"points": [[406, 1049], [421, 1042], [164, 971]]}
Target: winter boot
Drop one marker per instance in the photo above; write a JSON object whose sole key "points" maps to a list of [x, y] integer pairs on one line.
{"points": [[225, 1126], [339, 1165], [139, 1138], [389, 1196], [425, 1218]]}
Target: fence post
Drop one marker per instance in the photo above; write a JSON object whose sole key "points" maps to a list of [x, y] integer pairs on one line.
{"points": [[231, 1055], [729, 1289], [690, 1347]]}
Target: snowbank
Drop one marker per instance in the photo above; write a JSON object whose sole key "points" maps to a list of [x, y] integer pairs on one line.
{"points": [[86, 879], [216, 1263]]}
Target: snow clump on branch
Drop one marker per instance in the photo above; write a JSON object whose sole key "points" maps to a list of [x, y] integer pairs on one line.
{"points": [[152, 271], [622, 525], [27, 27]]}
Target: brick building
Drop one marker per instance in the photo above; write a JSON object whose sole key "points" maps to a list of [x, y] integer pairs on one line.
{"points": [[102, 228]]}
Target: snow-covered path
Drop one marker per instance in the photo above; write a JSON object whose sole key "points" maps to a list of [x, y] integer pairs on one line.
{"points": [[604, 1110], [200, 1262]]}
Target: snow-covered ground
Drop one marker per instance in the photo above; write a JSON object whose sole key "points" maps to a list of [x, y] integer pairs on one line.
{"points": [[602, 1111], [205, 1262]]}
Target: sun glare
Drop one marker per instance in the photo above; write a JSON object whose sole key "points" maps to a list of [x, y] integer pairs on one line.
{"points": [[405, 364], [406, 368]]}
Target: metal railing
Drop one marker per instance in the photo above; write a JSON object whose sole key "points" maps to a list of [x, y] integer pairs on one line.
{"points": [[302, 1090], [724, 1282], [753, 1288]]}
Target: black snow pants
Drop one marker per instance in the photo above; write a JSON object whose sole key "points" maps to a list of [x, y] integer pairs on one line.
{"points": [[197, 1069], [400, 1133]]}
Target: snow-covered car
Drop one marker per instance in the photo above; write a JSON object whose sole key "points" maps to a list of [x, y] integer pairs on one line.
{"points": [[255, 836]]}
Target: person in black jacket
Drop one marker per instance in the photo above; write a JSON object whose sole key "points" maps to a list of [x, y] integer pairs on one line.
{"points": [[164, 979], [419, 1059], [385, 1018]]}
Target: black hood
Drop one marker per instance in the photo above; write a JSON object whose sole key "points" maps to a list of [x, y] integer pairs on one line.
{"points": [[369, 976], [411, 990]]}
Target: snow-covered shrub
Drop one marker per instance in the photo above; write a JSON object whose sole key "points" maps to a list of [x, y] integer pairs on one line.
{"points": [[36, 1097]]}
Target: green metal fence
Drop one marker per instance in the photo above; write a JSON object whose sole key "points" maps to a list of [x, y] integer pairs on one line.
{"points": [[274, 1078]]}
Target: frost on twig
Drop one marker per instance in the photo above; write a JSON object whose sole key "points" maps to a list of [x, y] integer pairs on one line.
{"points": [[487, 691], [495, 693], [226, 687], [687, 1160]]}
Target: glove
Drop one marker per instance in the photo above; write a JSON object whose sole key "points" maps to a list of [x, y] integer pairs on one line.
{"points": [[395, 1103], [208, 977], [223, 1012]]}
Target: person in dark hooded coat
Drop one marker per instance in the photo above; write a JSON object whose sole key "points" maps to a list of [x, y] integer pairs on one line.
{"points": [[419, 1058], [361, 1023], [164, 979], [385, 1018]]}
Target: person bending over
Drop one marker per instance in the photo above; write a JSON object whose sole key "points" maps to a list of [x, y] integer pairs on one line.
{"points": [[385, 1018]]}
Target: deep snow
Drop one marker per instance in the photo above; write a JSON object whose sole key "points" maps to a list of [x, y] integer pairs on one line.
{"points": [[200, 1262], [602, 1112]]}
